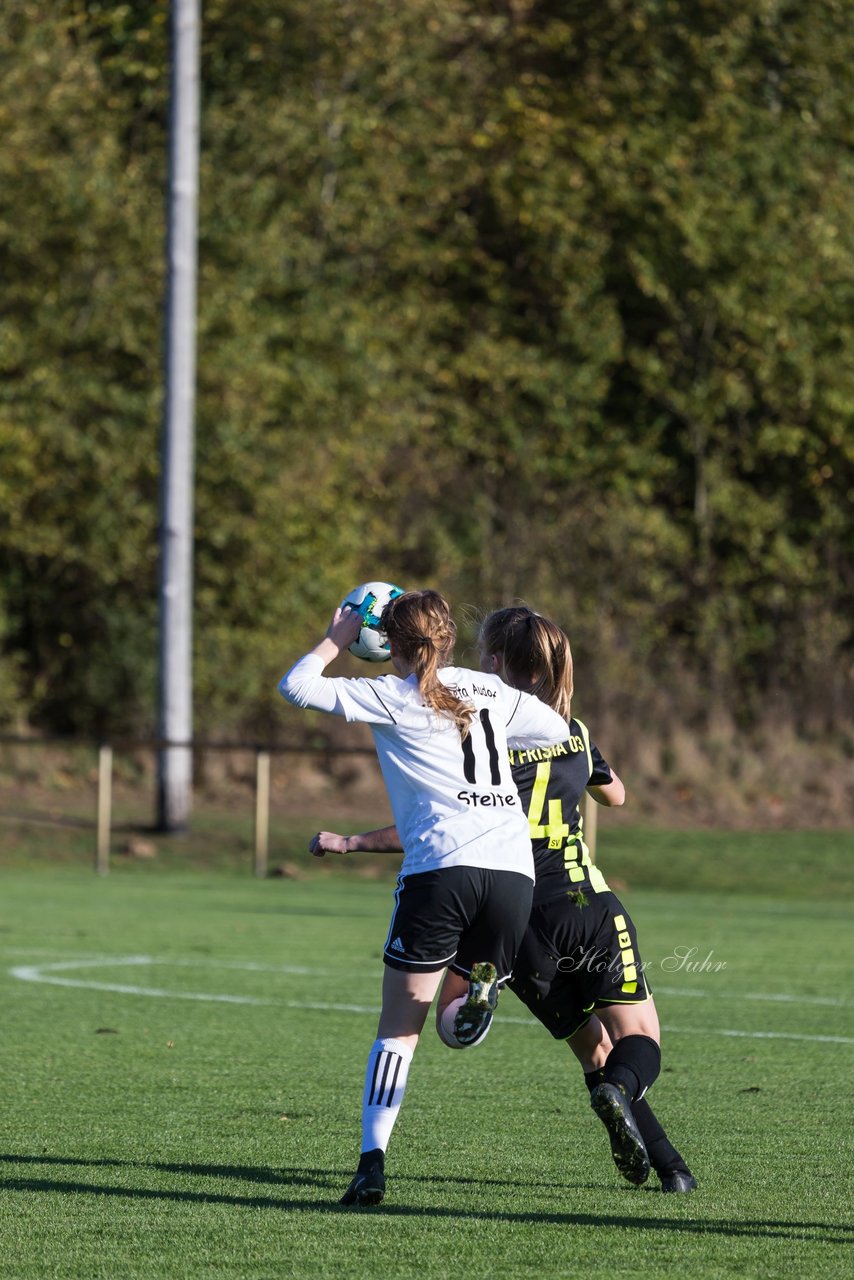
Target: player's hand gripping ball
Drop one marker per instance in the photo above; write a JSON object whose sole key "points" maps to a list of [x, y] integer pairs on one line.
{"points": [[369, 600]]}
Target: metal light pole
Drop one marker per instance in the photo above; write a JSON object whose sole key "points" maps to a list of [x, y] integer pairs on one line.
{"points": [[175, 718]]}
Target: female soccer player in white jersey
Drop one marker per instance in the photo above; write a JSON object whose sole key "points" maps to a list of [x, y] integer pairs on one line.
{"points": [[442, 735]]}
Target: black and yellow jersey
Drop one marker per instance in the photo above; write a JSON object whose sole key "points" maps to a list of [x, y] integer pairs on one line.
{"points": [[551, 782]]}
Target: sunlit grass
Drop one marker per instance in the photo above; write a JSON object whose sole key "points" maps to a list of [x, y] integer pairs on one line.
{"points": [[204, 1120]]}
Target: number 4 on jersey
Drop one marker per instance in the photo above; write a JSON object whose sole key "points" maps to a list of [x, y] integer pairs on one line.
{"points": [[556, 830]]}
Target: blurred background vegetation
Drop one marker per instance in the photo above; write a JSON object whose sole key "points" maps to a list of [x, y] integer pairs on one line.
{"points": [[532, 299]]}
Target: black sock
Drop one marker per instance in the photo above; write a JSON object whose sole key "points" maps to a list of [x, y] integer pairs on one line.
{"points": [[592, 1078], [633, 1064], [663, 1156]]}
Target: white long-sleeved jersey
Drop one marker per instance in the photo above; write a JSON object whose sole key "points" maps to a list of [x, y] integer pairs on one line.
{"points": [[454, 801]]}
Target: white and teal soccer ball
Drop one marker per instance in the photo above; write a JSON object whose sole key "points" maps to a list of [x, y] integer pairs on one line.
{"points": [[370, 599]]}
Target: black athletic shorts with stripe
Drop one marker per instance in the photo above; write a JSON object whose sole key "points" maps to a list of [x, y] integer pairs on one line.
{"points": [[575, 959], [457, 917]]}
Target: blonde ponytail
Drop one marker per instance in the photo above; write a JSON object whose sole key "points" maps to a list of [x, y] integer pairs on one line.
{"points": [[420, 626]]}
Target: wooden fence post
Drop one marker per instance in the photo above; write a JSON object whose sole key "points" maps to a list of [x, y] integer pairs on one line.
{"points": [[105, 803], [262, 812], [590, 817]]}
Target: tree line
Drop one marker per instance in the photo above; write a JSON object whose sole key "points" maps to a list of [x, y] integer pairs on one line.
{"points": [[534, 299]]}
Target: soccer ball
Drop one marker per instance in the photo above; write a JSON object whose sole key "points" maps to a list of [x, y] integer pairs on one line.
{"points": [[370, 599]]}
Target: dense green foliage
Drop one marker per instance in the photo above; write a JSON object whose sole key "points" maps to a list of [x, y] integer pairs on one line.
{"points": [[527, 299]]}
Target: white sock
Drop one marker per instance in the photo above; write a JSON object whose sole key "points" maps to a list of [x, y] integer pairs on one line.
{"points": [[446, 1026], [385, 1084]]}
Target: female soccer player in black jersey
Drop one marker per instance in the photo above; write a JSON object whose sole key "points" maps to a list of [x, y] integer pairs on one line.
{"points": [[579, 968], [580, 952]]}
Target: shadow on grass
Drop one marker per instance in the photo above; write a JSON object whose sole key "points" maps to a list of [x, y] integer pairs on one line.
{"points": [[827, 1233]]}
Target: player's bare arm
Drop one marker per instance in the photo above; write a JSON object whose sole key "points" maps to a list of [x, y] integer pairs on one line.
{"points": [[611, 793], [383, 840]]}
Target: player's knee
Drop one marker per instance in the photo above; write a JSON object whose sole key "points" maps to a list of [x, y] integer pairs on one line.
{"points": [[631, 1020], [591, 1045]]}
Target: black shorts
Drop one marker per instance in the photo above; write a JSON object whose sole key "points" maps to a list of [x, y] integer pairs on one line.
{"points": [[457, 917], [574, 960]]}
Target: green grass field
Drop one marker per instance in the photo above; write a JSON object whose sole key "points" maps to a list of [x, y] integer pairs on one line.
{"points": [[182, 1062]]}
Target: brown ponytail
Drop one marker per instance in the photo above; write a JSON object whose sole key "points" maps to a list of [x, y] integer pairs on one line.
{"points": [[533, 652], [420, 626]]}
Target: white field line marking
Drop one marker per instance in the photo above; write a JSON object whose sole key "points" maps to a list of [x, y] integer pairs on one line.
{"points": [[759, 1035], [711, 1031], [48, 973], [202, 962], [36, 973], [781, 998], [207, 962]]}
